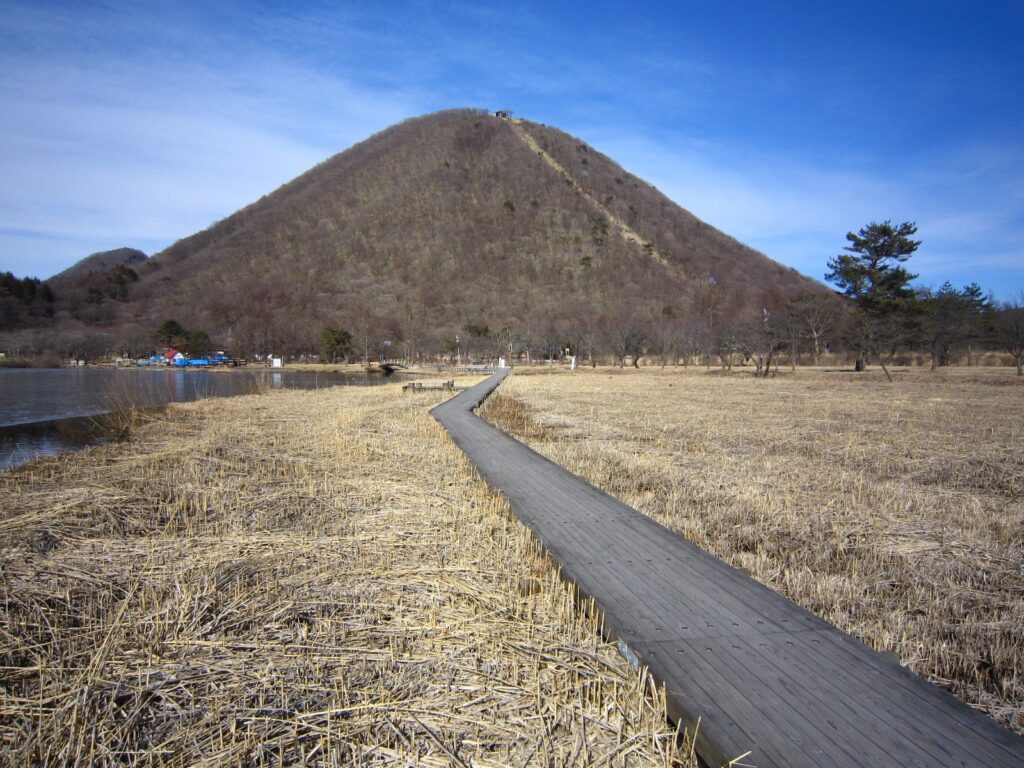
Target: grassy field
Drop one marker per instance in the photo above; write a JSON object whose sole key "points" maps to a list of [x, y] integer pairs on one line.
{"points": [[894, 511], [297, 578]]}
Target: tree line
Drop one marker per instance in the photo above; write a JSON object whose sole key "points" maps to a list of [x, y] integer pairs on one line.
{"points": [[23, 300], [875, 316], [888, 312], [945, 326]]}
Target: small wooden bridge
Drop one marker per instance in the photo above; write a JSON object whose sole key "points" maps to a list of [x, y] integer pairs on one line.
{"points": [[766, 679]]}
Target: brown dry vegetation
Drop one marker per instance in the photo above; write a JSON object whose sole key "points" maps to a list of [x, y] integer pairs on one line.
{"points": [[299, 578], [896, 512]]}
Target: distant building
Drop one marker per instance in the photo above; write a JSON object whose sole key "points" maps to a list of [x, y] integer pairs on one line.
{"points": [[504, 114]]}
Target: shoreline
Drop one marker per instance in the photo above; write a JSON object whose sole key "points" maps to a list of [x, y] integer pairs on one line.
{"points": [[315, 573], [109, 410]]}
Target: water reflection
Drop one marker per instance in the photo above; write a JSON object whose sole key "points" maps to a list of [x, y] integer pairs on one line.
{"points": [[23, 442]]}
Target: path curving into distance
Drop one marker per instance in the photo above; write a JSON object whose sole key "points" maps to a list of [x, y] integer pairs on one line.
{"points": [[763, 675]]}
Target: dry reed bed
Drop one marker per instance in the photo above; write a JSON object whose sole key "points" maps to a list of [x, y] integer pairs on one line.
{"points": [[300, 578], [896, 512]]}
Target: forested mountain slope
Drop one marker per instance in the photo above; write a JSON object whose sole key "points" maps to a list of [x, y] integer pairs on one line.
{"points": [[457, 218]]}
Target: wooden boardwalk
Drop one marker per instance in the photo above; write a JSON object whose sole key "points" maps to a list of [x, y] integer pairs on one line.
{"points": [[763, 675]]}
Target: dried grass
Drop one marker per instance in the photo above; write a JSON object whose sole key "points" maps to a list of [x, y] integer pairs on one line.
{"points": [[896, 512], [299, 578]]}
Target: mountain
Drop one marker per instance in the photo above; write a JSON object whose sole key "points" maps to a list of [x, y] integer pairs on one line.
{"points": [[101, 262], [455, 220]]}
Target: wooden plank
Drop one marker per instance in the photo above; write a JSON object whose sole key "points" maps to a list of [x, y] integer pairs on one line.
{"points": [[911, 696], [785, 731], [871, 700], [758, 671]]}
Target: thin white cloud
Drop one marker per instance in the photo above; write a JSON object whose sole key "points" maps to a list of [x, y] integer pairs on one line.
{"points": [[121, 152], [799, 213]]}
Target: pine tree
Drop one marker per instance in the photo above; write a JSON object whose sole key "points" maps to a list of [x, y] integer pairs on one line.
{"points": [[871, 275]]}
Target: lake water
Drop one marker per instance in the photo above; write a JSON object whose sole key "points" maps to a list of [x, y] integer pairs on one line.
{"points": [[51, 410]]}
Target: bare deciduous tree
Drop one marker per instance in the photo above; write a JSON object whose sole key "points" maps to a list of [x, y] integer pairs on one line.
{"points": [[815, 314], [1010, 329], [628, 340]]}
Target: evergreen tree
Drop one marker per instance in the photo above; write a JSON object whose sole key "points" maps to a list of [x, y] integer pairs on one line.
{"points": [[335, 343], [978, 320], [870, 273], [198, 344], [170, 333]]}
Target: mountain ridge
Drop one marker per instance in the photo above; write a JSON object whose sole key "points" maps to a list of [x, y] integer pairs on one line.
{"points": [[100, 261], [459, 218]]}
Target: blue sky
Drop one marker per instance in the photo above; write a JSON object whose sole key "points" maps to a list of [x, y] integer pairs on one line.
{"points": [[785, 124]]}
